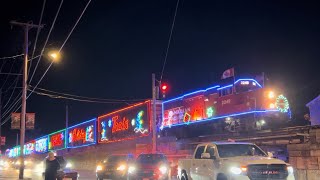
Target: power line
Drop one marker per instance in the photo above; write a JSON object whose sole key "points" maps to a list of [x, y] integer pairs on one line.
{"points": [[43, 51], [10, 71], [37, 35], [60, 48], [12, 57], [169, 42], [45, 44], [90, 98], [11, 94], [85, 8], [18, 98], [11, 74], [76, 99], [8, 118]]}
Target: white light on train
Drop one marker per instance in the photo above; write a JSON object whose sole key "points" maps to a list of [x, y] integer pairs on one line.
{"points": [[272, 106], [271, 95]]}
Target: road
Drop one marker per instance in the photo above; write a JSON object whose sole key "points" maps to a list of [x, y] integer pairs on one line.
{"points": [[12, 174]]}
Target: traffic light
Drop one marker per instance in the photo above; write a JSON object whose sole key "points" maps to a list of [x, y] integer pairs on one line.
{"points": [[164, 89]]}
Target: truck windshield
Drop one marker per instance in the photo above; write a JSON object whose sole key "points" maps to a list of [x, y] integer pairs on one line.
{"points": [[231, 150]]}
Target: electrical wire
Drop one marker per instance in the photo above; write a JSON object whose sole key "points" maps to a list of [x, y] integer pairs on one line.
{"points": [[76, 99], [16, 100], [90, 98], [60, 48], [37, 35], [169, 41], [9, 117], [85, 8], [11, 95], [43, 51], [5, 81], [12, 57], [45, 44]]}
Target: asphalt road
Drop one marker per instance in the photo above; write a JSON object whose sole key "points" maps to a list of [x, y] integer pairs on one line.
{"points": [[12, 174]]}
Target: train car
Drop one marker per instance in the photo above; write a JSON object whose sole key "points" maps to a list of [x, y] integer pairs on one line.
{"points": [[236, 106]]}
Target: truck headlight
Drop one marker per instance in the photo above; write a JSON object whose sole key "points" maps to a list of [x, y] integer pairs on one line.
{"points": [[238, 170], [290, 169], [163, 169], [121, 167], [235, 170], [99, 168], [69, 165]]}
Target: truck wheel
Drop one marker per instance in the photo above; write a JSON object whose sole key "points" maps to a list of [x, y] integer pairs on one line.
{"points": [[222, 177], [184, 175]]}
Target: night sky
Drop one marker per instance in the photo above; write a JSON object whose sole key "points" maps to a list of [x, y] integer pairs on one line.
{"points": [[118, 44]]}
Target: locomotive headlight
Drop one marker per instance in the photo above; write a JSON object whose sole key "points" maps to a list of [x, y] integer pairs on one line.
{"points": [[271, 95], [272, 106]]}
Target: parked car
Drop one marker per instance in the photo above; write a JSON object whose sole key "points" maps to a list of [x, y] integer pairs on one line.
{"points": [[65, 170], [150, 166], [114, 167], [232, 160]]}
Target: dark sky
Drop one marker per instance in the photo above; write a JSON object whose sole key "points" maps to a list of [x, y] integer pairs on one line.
{"points": [[119, 43]]}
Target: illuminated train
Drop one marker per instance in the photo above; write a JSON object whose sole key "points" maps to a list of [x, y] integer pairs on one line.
{"points": [[239, 105]]}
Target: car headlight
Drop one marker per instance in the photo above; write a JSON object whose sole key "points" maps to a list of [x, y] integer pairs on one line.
{"points": [[17, 163], [69, 165], [131, 169], [99, 168], [290, 169], [163, 169], [121, 167]]}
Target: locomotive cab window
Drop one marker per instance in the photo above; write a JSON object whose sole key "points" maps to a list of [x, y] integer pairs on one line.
{"points": [[245, 86], [225, 91]]}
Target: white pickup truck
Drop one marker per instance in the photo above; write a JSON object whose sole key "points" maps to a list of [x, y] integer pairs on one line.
{"points": [[232, 161]]}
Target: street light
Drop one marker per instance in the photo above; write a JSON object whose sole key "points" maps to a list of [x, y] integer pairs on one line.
{"points": [[55, 56]]}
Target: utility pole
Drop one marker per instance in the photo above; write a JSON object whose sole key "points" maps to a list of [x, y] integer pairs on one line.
{"points": [[26, 27], [17, 142], [154, 118], [0, 118], [67, 120]]}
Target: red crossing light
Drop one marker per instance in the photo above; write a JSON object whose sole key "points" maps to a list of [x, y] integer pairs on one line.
{"points": [[164, 87]]}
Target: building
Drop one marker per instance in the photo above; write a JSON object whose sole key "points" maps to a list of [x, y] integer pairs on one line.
{"points": [[314, 108]]}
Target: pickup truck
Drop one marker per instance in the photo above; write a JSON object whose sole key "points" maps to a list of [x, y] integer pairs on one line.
{"points": [[232, 161]]}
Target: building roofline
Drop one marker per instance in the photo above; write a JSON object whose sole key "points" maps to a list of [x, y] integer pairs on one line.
{"points": [[316, 98]]}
